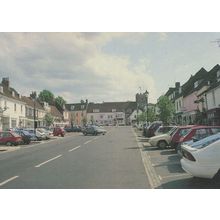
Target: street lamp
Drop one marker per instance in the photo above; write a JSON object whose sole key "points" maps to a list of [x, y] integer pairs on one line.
{"points": [[33, 96]]}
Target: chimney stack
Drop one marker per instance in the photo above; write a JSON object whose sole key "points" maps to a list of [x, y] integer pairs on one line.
{"points": [[5, 82], [177, 85]]}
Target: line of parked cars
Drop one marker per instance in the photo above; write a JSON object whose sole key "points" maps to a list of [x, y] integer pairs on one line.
{"points": [[17, 136], [197, 145]]}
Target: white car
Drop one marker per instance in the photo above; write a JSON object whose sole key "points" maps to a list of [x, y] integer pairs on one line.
{"points": [[201, 158], [163, 130], [163, 140]]}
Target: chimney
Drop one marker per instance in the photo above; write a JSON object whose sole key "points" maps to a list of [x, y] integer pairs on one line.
{"points": [[177, 85], [5, 82]]}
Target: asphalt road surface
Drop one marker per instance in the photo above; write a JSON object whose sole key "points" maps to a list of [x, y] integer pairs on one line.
{"points": [[111, 161]]}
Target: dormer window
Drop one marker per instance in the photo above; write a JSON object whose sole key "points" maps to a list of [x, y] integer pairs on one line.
{"points": [[13, 93], [72, 107], [113, 110], [180, 90], [218, 76], [196, 84], [82, 107], [95, 110]]}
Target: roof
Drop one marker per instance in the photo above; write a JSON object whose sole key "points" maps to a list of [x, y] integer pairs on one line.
{"points": [[108, 106], [8, 92], [76, 106], [188, 87], [55, 112], [30, 102]]}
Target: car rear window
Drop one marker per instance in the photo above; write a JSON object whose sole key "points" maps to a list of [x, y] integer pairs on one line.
{"points": [[206, 141]]}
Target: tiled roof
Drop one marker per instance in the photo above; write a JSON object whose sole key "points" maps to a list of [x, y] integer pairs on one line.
{"points": [[54, 112], [30, 102], [76, 106], [108, 106], [8, 92], [188, 87]]}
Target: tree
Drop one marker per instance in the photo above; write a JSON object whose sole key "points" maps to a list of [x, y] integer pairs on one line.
{"points": [[59, 102], [166, 109], [151, 115], [46, 96], [48, 118]]}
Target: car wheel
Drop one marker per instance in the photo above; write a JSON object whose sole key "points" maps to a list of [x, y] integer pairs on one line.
{"points": [[8, 143], [162, 144]]}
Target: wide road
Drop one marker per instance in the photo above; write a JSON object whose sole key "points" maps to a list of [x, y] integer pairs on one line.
{"points": [[111, 161]]}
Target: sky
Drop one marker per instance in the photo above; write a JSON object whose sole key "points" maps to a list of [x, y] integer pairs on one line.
{"points": [[104, 66]]}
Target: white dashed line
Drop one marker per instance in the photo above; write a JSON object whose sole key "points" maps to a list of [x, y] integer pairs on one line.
{"points": [[54, 158], [74, 148], [87, 142], [8, 180], [175, 175]]}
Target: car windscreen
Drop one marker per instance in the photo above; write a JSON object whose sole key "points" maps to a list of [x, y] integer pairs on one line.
{"points": [[184, 131], [15, 134], [172, 131], [206, 141]]}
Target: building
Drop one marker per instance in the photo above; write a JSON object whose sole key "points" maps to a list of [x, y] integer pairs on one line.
{"points": [[12, 107], [31, 106], [110, 113], [77, 113]]}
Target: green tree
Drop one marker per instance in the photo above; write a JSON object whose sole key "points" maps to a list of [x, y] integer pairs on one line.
{"points": [[151, 115], [48, 118], [59, 102], [46, 96], [166, 109]]}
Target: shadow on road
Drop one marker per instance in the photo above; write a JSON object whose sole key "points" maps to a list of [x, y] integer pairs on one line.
{"points": [[192, 183]]}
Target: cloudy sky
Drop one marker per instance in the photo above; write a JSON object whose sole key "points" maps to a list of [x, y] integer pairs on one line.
{"points": [[104, 66]]}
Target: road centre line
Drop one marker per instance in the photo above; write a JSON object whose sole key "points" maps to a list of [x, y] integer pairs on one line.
{"points": [[87, 142], [54, 158], [8, 180], [74, 148]]}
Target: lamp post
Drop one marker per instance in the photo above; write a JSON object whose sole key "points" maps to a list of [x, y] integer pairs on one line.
{"points": [[2, 110], [146, 103], [33, 96]]}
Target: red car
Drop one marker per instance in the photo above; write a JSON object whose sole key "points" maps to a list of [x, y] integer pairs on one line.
{"points": [[200, 132], [180, 132], [10, 138], [58, 131]]}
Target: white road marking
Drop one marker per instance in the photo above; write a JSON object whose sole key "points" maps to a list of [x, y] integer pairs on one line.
{"points": [[87, 142], [74, 148], [175, 175], [8, 180], [54, 158]]}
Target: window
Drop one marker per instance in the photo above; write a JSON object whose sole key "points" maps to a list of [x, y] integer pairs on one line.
{"points": [[21, 108], [72, 107], [113, 110], [82, 106], [218, 75], [15, 107], [95, 110]]}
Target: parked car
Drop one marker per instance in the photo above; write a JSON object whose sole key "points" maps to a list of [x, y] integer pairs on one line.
{"points": [[10, 138], [163, 140], [26, 137], [45, 135], [163, 130], [197, 133], [201, 159], [34, 134], [180, 132], [94, 130], [58, 131], [74, 128], [150, 130]]}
